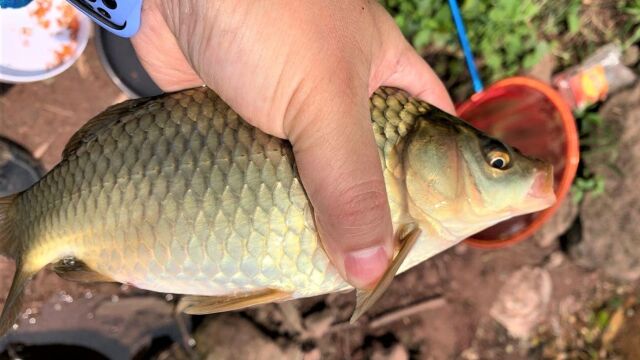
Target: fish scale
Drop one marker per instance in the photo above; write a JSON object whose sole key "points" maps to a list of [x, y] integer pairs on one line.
{"points": [[255, 203], [178, 194]]}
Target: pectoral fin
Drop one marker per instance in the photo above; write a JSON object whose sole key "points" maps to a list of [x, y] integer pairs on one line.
{"points": [[75, 270], [366, 298], [201, 305]]}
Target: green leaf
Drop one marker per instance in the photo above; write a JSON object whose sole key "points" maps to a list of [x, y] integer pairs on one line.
{"points": [[530, 10], [599, 186], [422, 38], [573, 18], [602, 319], [493, 61], [533, 58], [401, 20], [633, 38], [576, 195]]}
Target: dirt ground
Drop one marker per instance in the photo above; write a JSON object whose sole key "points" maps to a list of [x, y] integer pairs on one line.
{"points": [[442, 309]]}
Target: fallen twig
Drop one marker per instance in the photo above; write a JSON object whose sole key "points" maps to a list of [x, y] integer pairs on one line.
{"points": [[394, 315], [399, 314]]}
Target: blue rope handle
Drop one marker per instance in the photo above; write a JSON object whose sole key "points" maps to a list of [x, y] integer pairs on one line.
{"points": [[466, 48]]}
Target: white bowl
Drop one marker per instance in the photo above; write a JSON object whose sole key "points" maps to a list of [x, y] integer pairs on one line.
{"points": [[31, 36]]}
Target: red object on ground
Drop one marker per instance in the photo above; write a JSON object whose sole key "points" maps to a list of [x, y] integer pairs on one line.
{"points": [[531, 116]]}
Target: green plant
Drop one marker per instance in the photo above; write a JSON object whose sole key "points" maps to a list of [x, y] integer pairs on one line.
{"points": [[507, 36], [632, 10], [598, 151], [587, 184]]}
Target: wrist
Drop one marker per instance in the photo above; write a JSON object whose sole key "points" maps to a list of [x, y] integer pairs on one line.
{"points": [[187, 15]]}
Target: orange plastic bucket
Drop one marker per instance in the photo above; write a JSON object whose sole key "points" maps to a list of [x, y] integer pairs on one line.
{"points": [[531, 116]]}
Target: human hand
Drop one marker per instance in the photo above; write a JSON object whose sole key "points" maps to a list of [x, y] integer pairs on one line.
{"points": [[301, 70]]}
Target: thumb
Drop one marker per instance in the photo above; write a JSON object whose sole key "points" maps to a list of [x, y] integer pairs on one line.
{"points": [[341, 171], [412, 74]]}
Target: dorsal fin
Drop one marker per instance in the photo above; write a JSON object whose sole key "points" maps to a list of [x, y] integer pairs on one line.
{"points": [[112, 115]]}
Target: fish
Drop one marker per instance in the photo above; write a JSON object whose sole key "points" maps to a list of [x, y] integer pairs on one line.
{"points": [[178, 194]]}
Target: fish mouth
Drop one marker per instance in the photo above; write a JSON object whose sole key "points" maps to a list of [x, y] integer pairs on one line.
{"points": [[541, 195]]}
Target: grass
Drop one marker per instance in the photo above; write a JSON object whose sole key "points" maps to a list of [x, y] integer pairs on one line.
{"points": [[632, 11], [505, 34]]}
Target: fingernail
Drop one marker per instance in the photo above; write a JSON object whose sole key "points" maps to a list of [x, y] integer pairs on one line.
{"points": [[364, 267]]}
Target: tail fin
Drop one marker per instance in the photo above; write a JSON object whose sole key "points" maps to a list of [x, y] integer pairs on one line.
{"points": [[8, 246]]}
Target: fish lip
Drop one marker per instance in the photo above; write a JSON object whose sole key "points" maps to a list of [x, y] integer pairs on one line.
{"points": [[544, 203], [542, 190]]}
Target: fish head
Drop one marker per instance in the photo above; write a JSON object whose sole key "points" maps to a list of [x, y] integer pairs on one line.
{"points": [[463, 181]]}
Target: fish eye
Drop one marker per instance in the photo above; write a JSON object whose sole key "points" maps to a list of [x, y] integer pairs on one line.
{"points": [[497, 155], [498, 160]]}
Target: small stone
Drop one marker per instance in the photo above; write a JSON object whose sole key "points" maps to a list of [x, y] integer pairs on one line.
{"points": [[509, 349], [555, 259], [522, 301]]}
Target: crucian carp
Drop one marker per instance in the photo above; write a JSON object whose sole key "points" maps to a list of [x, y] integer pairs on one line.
{"points": [[178, 194]]}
